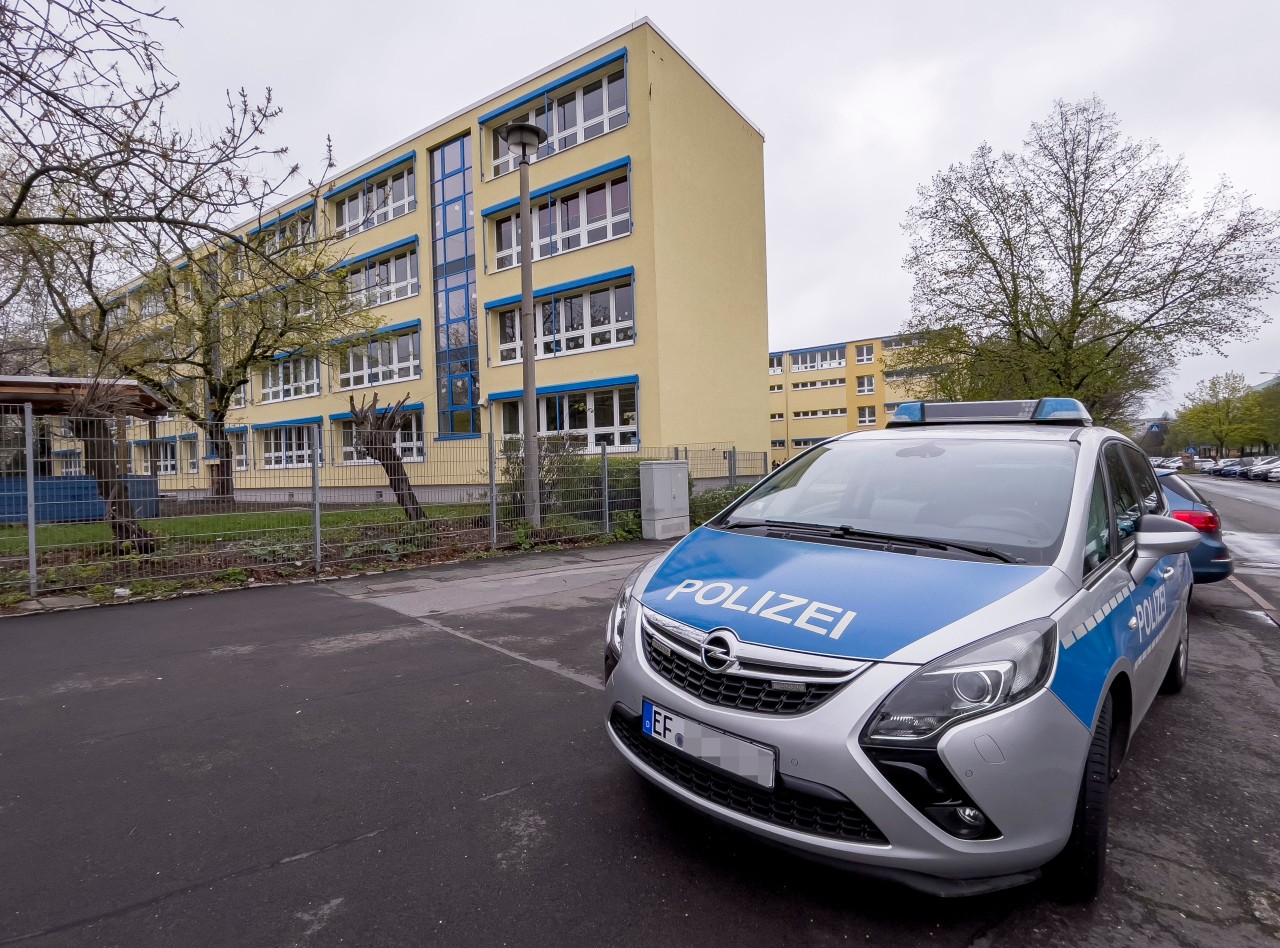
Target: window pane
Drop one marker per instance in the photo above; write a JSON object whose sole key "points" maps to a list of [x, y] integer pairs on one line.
{"points": [[593, 101], [597, 209], [622, 303], [604, 410], [567, 112], [621, 196], [617, 91]]}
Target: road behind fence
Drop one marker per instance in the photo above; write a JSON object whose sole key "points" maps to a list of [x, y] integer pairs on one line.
{"points": [[108, 503]]}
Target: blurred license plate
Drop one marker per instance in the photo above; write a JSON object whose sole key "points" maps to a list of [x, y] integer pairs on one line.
{"points": [[717, 748]]}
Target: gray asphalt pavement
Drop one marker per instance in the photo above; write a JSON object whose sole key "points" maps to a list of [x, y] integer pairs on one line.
{"points": [[419, 759]]}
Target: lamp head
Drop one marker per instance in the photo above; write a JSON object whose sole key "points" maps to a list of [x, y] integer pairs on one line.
{"points": [[523, 139]]}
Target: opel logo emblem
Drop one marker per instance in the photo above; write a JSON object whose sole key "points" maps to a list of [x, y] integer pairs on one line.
{"points": [[717, 650]]}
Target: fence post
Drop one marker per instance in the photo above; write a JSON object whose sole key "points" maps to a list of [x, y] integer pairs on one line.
{"points": [[316, 446], [733, 466], [493, 492], [604, 484], [28, 426]]}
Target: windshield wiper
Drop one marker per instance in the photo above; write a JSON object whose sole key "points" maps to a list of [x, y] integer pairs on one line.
{"points": [[858, 533]]}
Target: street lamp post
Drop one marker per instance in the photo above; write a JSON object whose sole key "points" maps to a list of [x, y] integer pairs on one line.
{"points": [[523, 140]]}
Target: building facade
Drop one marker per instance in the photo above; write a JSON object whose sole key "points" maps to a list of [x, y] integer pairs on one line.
{"points": [[822, 391], [649, 275]]}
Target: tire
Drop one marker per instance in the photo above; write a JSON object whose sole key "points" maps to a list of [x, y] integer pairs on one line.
{"points": [[1175, 679], [1077, 873]]}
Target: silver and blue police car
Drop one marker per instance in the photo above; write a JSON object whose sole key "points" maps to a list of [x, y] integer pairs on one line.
{"points": [[919, 652]]}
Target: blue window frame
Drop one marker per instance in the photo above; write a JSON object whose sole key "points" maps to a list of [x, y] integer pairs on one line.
{"points": [[454, 281]]}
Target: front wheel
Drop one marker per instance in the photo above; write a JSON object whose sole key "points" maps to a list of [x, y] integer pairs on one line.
{"points": [[1175, 679], [1077, 872]]}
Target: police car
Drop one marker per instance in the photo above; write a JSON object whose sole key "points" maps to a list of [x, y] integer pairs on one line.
{"points": [[919, 652]]}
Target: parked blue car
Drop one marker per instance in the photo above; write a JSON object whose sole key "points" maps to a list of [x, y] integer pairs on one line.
{"points": [[1211, 561]]}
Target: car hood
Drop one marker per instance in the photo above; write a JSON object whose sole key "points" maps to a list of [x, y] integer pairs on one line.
{"points": [[819, 598]]}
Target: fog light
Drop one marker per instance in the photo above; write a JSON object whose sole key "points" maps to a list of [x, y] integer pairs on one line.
{"points": [[966, 822]]}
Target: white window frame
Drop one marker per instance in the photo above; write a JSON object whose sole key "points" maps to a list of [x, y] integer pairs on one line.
{"points": [[777, 416], [287, 379], [73, 464], [866, 416], [775, 364], [829, 358], [611, 333], [166, 458], [561, 134], [565, 233], [818, 383], [411, 444], [379, 282], [190, 454], [822, 413], [866, 384], [151, 305], [865, 354], [778, 444], [287, 446], [295, 232], [775, 388], [366, 206], [380, 360], [625, 434], [239, 442], [240, 397]]}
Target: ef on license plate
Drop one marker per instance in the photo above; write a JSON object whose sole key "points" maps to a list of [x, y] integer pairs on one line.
{"points": [[718, 748]]}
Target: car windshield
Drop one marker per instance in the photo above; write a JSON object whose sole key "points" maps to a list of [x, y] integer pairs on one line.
{"points": [[1011, 497]]}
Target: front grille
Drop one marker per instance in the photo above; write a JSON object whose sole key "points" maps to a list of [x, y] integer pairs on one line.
{"points": [[780, 806], [734, 691]]}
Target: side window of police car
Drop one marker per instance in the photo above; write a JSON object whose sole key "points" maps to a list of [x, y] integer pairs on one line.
{"points": [[1097, 537], [1148, 487], [1126, 504]]}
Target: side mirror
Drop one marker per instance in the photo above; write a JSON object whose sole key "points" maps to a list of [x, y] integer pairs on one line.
{"points": [[1158, 537]]}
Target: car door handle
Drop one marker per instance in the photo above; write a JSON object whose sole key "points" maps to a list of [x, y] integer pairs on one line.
{"points": [[1168, 572], [1133, 623]]}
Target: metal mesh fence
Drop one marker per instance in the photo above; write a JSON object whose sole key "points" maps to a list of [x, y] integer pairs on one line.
{"points": [[108, 503]]}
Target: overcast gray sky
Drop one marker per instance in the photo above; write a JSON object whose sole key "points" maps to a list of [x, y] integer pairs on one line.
{"points": [[859, 102]]}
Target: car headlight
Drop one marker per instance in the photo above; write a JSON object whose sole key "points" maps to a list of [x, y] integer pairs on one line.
{"points": [[618, 615], [993, 673]]}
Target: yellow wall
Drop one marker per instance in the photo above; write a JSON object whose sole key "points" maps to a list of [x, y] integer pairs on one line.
{"points": [[708, 196]]}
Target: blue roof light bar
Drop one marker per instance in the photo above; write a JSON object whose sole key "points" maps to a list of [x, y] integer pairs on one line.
{"points": [[1044, 411]]}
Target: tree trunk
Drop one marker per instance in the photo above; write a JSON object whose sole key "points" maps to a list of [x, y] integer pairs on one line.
{"points": [[222, 485], [393, 467], [103, 465]]}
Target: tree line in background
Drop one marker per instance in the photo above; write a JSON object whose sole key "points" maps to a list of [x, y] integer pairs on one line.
{"points": [[1077, 267], [1229, 414]]}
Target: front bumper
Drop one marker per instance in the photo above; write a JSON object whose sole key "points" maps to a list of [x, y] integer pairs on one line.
{"points": [[1021, 766]]}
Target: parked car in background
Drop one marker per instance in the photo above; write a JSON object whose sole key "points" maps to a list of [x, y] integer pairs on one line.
{"points": [[1262, 469], [1233, 467], [1169, 464], [1274, 475], [1211, 560], [1204, 465]]}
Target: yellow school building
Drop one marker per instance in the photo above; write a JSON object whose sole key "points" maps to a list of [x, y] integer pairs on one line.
{"points": [[649, 276], [822, 391]]}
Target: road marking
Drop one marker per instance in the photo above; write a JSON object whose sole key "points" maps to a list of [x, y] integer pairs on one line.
{"points": [[1272, 613], [544, 663]]}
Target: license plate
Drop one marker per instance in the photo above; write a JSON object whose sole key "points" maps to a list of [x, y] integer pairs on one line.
{"points": [[719, 749]]}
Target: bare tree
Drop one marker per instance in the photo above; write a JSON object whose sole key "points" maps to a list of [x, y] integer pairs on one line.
{"points": [[1076, 267], [375, 435], [96, 419], [85, 138], [197, 324]]}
